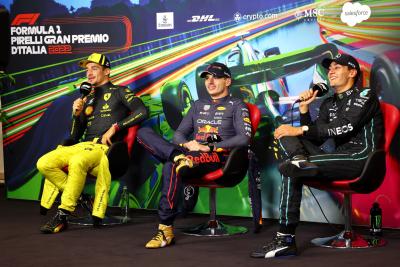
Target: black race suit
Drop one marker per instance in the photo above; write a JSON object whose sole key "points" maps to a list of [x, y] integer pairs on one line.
{"points": [[353, 120]]}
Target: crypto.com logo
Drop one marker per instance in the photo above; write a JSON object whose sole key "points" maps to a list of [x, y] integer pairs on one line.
{"points": [[354, 13], [251, 17]]}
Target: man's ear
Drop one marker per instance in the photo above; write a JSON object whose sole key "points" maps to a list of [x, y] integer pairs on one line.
{"points": [[228, 82], [107, 71], [353, 73]]}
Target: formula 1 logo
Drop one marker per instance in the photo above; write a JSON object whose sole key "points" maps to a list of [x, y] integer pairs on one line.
{"points": [[203, 18], [28, 18]]}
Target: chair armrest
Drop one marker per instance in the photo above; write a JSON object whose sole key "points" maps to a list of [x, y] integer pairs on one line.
{"points": [[235, 168]]}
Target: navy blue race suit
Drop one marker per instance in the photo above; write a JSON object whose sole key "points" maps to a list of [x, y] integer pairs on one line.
{"points": [[227, 117], [353, 120]]}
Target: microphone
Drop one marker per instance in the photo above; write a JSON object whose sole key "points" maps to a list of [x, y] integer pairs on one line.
{"points": [[85, 89], [322, 89]]}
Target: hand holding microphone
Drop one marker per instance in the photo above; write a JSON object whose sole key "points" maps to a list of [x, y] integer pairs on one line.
{"points": [[85, 89], [308, 96], [317, 90]]}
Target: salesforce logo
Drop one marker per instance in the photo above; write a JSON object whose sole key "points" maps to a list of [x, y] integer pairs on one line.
{"points": [[354, 13]]}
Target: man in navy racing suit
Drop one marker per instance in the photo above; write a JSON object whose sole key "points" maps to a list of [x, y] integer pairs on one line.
{"points": [[222, 115], [352, 118]]}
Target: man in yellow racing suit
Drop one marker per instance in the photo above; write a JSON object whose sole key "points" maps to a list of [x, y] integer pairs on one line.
{"points": [[101, 117]]}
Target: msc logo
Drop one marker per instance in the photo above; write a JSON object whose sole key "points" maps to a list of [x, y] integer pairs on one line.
{"points": [[203, 18], [310, 14]]}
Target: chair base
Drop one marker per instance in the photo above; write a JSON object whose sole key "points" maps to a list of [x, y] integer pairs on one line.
{"points": [[107, 221], [215, 228], [349, 240]]}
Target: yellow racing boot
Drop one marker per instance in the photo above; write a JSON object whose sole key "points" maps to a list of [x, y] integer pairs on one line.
{"points": [[163, 238], [182, 161]]}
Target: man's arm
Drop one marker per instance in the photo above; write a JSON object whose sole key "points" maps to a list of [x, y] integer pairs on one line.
{"points": [[78, 120], [357, 113], [138, 114], [138, 110], [185, 128], [242, 125]]}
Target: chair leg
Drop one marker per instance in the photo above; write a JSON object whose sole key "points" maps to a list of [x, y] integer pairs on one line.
{"points": [[348, 238], [214, 227], [86, 220]]}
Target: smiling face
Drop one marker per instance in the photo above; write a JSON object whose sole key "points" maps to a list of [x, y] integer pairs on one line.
{"points": [[341, 78], [96, 74], [217, 87]]}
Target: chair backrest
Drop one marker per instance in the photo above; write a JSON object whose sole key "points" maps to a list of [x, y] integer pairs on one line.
{"points": [[375, 167], [255, 116], [391, 119], [130, 137], [119, 153]]}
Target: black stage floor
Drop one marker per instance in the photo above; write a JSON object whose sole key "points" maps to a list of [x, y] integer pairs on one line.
{"points": [[21, 244]]}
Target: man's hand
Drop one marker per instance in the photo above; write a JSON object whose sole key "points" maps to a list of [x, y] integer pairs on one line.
{"points": [[287, 130], [106, 138], [77, 106], [196, 146], [306, 98]]}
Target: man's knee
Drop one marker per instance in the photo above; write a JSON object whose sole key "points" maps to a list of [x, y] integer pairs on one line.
{"points": [[44, 164], [143, 132], [77, 162]]}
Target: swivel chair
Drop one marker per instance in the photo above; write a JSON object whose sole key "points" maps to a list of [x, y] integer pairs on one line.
{"points": [[118, 158], [230, 175], [370, 179]]}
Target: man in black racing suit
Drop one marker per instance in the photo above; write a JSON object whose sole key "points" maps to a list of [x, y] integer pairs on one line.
{"points": [[222, 115], [102, 117], [352, 118]]}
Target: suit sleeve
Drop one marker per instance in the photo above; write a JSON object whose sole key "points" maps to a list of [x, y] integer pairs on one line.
{"points": [[138, 110], [185, 128], [359, 110], [78, 127], [242, 125]]}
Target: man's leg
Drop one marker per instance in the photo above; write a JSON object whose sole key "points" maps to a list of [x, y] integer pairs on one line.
{"points": [[50, 166], [284, 242], [102, 188], [78, 167], [296, 150], [170, 191], [86, 156], [49, 195], [156, 145]]}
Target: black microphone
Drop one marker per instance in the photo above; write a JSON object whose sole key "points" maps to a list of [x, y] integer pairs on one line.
{"points": [[322, 89], [85, 89]]}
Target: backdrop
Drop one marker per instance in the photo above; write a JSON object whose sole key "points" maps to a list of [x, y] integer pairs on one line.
{"points": [[157, 48]]}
